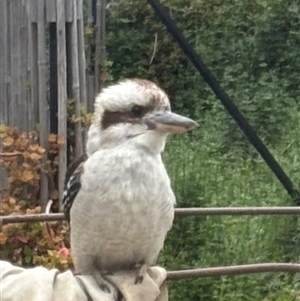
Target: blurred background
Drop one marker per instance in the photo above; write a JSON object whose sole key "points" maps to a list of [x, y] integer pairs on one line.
{"points": [[252, 48]]}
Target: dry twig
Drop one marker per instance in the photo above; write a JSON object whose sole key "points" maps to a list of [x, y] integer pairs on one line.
{"points": [[154, 49]]}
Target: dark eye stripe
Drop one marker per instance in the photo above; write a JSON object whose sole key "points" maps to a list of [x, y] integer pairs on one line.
{"points": [[111, 118], [133, 115]]}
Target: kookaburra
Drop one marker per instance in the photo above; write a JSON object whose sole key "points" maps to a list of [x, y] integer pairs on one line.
{"points": [[119, 202]]}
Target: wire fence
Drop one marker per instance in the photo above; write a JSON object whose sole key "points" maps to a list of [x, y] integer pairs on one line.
{"points": [[186, 212]]}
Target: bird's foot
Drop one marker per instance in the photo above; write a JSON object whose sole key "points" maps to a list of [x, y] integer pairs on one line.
{"points": [[101, 282], [141, 270]]}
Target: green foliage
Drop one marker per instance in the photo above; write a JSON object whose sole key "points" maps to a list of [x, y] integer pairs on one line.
{"points": [[251, 48], [203, 177]]}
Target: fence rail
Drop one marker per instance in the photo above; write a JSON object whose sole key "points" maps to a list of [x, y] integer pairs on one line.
{"points": [[235, 270], [186, 212], [179, 212]]}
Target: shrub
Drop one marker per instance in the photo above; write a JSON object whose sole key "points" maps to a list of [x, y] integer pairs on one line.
{"points": [[30, 244]]}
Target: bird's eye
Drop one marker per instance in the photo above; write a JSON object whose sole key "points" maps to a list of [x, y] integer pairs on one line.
{"points": [[137, 111]]}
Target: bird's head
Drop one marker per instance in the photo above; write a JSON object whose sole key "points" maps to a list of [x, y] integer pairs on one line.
{"points": [[134, 111]]}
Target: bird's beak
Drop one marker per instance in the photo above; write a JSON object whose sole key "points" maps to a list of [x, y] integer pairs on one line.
{"points": [[168, 122]]}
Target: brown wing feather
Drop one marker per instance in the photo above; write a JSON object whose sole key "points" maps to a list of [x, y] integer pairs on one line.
{"points": [[72, 184]]}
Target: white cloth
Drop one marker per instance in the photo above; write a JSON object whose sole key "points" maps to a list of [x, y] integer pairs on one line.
{"points": [[41, 284]]}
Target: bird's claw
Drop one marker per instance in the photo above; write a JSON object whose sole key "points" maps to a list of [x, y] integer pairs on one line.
{"points": [[138, 279], [105, 288], [140, 273], [101, 282]]}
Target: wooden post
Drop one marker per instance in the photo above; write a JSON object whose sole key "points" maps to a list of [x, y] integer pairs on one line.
{"points": [[102, 44], [33, 51], [97, 46], [98, 55], [5, 51], [53, 78], [7, 67], [23, 36], [42, 95], [3, 99], [31, 108], [51, 11], [75, 82], [13, 104], [62, 93], [81, 59], [3, 28], [68, 10]]}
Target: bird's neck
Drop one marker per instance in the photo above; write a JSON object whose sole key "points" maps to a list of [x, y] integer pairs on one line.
{"points": [[151, 141]]}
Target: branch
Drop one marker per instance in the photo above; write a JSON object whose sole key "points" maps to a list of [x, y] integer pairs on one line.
{"points": [[11, 154], [30, 218], [154, 50]]}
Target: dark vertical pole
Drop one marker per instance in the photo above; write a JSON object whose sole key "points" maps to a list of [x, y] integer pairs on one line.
{"points": [[69, 61], [53, 79], [94, 6], [70, 137]]}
